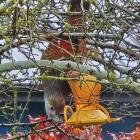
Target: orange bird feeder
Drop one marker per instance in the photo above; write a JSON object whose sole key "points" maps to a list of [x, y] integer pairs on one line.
{"points": [[86, 92]]}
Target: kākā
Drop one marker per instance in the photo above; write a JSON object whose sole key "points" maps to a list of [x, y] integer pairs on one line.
{"points": [[55, 91]]}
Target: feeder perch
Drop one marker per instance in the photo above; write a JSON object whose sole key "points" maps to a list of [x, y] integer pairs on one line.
{"points": [[86, 93]]}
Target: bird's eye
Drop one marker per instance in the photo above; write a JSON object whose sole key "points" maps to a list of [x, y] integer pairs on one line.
{"points": [[51, 108]]}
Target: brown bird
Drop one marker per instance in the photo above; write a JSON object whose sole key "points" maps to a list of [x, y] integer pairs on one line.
{"points": [[55, 91]]}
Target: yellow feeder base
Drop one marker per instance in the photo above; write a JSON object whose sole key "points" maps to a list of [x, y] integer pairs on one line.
{"points": [[88, 117]]}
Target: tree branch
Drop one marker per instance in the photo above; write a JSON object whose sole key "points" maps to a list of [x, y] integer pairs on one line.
{"points": [[95, 35], [5, 6], [63, 65], [126, 11], [128, 52]]}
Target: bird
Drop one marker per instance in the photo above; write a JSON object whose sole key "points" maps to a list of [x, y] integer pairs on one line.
{"points": [[56, 91]]}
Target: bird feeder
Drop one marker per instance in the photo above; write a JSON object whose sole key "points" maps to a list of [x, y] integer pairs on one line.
{"points": [[86, 93]]}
